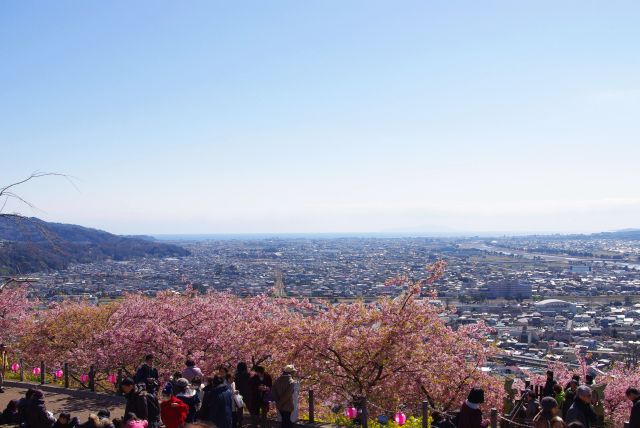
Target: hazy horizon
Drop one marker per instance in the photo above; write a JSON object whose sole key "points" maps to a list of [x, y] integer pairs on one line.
{"points": [[328, 117]]}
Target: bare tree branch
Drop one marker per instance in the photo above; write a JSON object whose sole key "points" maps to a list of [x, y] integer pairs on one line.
{"points": [[6, 192]]}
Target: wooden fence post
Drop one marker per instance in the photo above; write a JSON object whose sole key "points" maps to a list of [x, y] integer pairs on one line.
{"points": [[494, 418], [43, 373], [312, 404], [365, 415], [21, 362], [92, 378], [425, 414], [66, 375]]}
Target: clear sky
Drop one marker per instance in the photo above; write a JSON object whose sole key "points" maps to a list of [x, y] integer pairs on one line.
{"points": [[324, 116]]}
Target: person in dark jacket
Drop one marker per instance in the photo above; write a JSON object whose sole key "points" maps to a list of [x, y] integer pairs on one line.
{"points": [[569, 397], [36, 412], [633, 395], [549, 411], [547, 390], [259, 390], [146, 371], [23, 403], [184, 393], [136, 400], [581, 410], [575, 378], [216, 404], [10, 415], [530, 404], [241, 380], [470, 414]]}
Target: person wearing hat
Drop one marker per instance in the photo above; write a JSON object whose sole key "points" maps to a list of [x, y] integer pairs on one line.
{"points": [[282, 392], [470, 414], [581, 410], [183, 391], [173, 411], [549, 410]]}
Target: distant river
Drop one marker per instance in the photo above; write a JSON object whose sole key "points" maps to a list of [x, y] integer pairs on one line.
{"points": [[550, 257]]}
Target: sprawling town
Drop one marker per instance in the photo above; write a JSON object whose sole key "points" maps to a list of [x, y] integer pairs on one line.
{"points": [[542, 296]]}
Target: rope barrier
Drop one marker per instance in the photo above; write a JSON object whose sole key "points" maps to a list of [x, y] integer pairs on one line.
{"points": [[513, 422], [378, 407]]}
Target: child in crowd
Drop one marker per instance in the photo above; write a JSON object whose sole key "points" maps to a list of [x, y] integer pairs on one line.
{"points": [[131, 421]]}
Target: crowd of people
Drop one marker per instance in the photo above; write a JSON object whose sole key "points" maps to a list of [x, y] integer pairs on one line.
{"points": [[222, 399], [188, 398], [572, 406]]}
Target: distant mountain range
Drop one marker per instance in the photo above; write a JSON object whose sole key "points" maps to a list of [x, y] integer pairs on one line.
{"points": [[632, 234], [624, 234], [32, 245]]}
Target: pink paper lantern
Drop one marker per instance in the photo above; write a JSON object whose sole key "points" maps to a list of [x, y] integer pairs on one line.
{"points": [[351, 412], [112, 378], [36, 371], [84, 378], [15, 367], [400, 418], [58, 374]]}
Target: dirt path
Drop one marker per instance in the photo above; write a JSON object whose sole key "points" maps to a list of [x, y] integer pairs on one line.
{"points": [[78, 403]]}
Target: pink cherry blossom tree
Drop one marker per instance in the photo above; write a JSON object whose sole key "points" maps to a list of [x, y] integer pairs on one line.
{"points": [[14, 310], [395, 352]]}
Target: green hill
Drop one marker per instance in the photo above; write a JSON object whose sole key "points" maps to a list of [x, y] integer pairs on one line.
{"points": [[33, 245]]}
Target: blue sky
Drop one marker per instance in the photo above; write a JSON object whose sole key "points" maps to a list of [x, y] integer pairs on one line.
{"points": [[324, 116]]}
